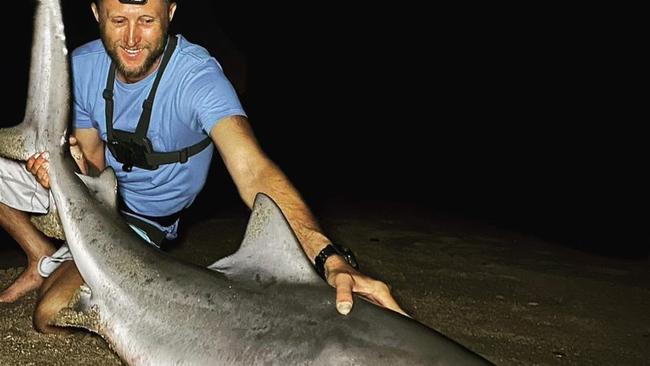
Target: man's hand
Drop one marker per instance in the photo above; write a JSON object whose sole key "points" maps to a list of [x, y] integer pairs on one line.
{"points": [[78, 155], [38, 165], [347, 280]]}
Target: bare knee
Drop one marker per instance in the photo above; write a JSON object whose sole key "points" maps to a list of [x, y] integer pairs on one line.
{"points": [[64, 283], [46, 312]]}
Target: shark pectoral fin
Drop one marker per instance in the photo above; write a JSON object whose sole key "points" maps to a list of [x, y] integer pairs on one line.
{"points": [[270, 252], [79, 313], [103, 188]]}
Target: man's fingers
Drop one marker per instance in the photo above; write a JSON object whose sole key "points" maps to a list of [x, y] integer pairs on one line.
{"points": [[43, 175], [76, 153], [45, 182], [37, 162], [389, 302], [75, 150], [378, 293], [30, 162], [347, 281], [344, 284]]}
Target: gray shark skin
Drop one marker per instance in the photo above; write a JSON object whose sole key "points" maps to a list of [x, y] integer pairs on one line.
{"points": [[263, 305]]}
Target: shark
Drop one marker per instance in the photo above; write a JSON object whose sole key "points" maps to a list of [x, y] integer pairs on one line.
{"points": [[262, 305]]}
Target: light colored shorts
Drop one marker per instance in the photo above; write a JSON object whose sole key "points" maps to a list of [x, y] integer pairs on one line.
{"points": [[19, 189]]}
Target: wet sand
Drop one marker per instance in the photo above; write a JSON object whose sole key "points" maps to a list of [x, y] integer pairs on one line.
{"points": [[513, 298]]}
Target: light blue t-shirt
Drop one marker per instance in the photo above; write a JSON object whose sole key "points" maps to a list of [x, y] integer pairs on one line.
{"points": [[193, 95]]}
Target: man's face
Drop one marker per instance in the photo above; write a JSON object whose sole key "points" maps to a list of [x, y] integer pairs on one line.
{"points": [[134, 35]]}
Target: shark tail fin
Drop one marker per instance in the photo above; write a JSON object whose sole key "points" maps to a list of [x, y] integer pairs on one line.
{"points": [[270, 251], [46, 112]]}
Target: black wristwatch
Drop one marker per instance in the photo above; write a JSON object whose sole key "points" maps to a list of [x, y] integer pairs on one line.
{"points": [[332, 249]]}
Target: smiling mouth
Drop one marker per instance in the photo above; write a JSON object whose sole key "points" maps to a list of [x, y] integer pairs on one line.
{"points": [[132, 52]]}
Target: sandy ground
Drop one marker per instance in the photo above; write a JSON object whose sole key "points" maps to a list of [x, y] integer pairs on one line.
{"points": [[514, 299]]}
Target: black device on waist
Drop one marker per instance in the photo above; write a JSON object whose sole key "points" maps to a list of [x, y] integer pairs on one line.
{"points": [[134, 148], [157, 236]]}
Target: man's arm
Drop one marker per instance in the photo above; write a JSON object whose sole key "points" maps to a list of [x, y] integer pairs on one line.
{"points": [[87, 148], [253, 172]]}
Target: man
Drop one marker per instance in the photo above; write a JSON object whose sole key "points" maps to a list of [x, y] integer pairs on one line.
{"points": [[145, 104]]}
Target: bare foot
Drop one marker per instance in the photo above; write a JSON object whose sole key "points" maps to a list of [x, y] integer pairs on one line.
{"points": [[27, 281]]}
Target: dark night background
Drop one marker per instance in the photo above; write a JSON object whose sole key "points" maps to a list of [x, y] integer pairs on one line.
{"points": [[503, 117]]}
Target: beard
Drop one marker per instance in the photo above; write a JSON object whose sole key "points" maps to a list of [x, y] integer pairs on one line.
{"points": [[137, 72]]}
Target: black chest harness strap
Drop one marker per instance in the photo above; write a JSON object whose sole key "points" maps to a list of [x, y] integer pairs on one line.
{"points": [[134, 148]]}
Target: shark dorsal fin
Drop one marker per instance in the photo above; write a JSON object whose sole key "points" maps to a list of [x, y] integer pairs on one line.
{"points": [[270, 252], [103, 188]]}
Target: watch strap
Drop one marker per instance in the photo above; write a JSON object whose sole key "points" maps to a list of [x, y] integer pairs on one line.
{"points": [[328, 251]]}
